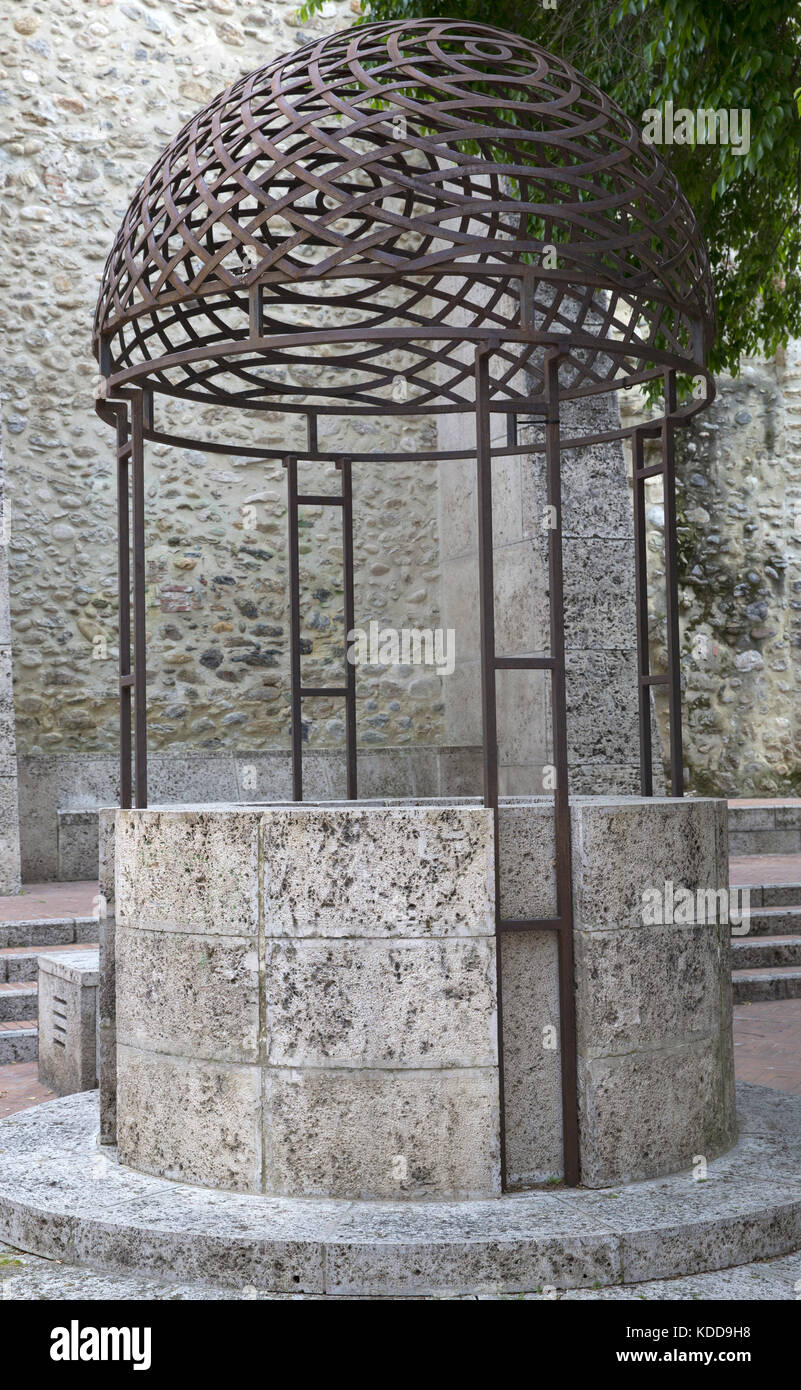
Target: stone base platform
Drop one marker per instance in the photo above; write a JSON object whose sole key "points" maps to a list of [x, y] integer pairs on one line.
{"points": [[62, 1197]]}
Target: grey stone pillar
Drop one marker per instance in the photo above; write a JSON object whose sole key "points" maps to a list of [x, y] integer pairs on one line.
{"points": [[600, 624], [9, 805], [107, 986]]}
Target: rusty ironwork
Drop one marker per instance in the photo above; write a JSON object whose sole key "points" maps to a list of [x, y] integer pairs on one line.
{"points": [[416, 218]]}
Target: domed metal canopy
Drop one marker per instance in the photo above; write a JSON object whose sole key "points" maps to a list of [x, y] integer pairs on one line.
{"points": [[361, 210]]}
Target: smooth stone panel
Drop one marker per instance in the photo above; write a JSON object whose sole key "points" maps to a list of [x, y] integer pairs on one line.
{"points": [[382, 1134], [373, 1004], [191, 1120]]}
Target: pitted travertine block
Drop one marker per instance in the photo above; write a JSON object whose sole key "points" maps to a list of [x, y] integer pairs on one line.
{"points": [[306, 999], [68, 1021], [188, 995], [189, 869], [653, 1001], [330, 1003], [401, 871], [307, 996]]}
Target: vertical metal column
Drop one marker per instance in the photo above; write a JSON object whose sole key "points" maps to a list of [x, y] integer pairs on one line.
{"points": [[644, 680], [124, 600], [348, 594], [486, 581], [491, 663], [139, 614], [299, 691], [564, 886], [291, 465], [672, 587]]}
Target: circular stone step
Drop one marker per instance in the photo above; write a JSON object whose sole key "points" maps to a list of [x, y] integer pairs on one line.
{"points": [[63, 1197]]}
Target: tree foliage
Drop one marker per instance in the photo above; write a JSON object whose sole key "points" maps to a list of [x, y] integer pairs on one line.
{"points": [[741, 55]]}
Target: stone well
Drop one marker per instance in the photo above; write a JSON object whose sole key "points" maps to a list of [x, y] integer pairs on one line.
{"points": [[307, 1000]]}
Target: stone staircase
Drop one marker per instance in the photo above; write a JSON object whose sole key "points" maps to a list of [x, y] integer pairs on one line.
{"points": [[21, 943], [766, 964]]}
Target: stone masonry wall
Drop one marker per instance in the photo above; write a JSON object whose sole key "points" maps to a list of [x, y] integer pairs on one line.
{"points": [[90, 94], [739, 516]]}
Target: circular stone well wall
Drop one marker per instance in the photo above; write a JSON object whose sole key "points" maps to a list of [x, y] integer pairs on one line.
{"points": [[307, 995]]}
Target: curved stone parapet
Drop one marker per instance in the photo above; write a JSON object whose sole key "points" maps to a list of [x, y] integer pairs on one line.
{"points": [[307, 995], [307, 999]]}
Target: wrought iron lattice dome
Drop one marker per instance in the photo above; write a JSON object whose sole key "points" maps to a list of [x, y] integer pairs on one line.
{"points": [[366, 207]]}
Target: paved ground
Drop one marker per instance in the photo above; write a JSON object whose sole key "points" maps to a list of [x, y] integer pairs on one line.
{"points": [[752, 869], [767, 1044], [39, 900], [19, 1088]]}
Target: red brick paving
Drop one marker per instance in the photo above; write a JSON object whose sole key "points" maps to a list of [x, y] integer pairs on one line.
{"points": [[50, 900], [767, 1044], [20, 1088], [753, 869], [765, 801]]}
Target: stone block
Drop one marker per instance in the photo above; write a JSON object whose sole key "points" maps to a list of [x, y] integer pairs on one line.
{"points": [[764, 842], [457, 503], [187, 994], [68, 1021], [106, 823], [382, 1133], [461, 771], [367, 1003], [107, 1028], [524, 721], [649, 1113], [189, 870], [532, 1073], [601, 711], [664, 988], [526, 858], [360, 1005], [8, 760], [460, 606], [599, 594], [77, 844], [190, 1120], [753, 817], [522, 611], [380, 871], [624, 847], [9, 836]]}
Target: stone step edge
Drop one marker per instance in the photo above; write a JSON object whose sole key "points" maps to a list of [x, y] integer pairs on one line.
{"points": [[55, 1206], [773, 972], [22, 955], [19, 1044]]}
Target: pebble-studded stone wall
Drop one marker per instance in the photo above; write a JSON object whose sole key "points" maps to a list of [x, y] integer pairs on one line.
{"points": [[739, 514], [90, 91]]}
